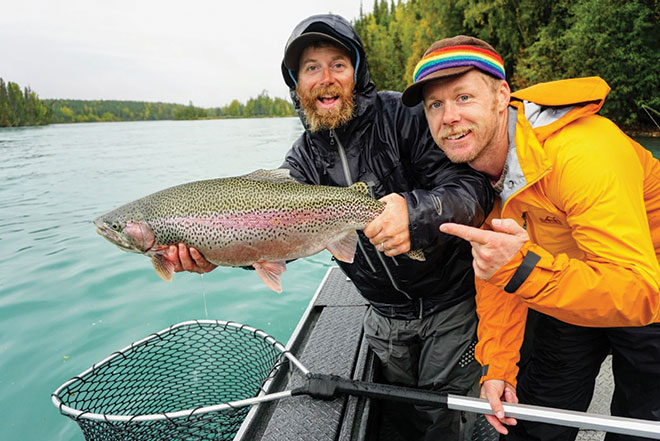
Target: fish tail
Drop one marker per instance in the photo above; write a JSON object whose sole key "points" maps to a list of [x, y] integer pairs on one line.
{"points": [[416, 255]]}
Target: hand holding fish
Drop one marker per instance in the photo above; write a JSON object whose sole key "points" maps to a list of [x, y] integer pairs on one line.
{"points": [[389, 232], [185, 259], [490, 249]]}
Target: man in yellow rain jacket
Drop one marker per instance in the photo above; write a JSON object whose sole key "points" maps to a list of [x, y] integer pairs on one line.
{"points": [[575, 235]]}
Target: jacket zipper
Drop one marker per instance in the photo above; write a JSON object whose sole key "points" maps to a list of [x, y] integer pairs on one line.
{"points": [[349, 181]]}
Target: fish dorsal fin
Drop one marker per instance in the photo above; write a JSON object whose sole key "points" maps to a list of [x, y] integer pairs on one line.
{"points": [[360, 187], [278, 176]]}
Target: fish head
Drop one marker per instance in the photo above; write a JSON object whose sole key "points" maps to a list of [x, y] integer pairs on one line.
{"points": [[130, 234]]}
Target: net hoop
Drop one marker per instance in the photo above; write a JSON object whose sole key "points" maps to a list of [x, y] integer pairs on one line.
{"points": [[77, 414]]}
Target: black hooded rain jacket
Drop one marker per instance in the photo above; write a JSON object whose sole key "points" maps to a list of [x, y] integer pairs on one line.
{"points": [[388, 146]]}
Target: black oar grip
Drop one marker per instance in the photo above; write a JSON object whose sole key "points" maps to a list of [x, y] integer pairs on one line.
{"points": [[328, 386]]}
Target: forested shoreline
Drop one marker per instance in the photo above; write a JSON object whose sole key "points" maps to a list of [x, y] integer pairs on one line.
{"points": [[539, 40], [24, 108]]}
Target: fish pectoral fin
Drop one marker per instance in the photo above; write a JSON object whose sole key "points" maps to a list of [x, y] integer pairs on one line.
{"points": [[164, 268], [343, 249], [416, 255], [270, 273]]}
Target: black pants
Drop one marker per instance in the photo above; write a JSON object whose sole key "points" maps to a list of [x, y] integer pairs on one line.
{"points": [[562, 366], [434, 353]]}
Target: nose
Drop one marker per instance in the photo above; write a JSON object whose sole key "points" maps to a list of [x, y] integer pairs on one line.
{"points": [[326, 76], [450, 114]]}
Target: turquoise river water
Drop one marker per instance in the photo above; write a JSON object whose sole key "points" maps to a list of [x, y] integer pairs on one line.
{"points": [[68, 298]]}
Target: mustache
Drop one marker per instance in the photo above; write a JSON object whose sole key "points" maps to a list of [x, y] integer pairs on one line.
{"points": [[325, 119], [454, 131], [320, 91]]}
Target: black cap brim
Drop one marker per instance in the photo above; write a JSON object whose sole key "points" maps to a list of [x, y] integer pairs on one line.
{"points": [[296, 47]]}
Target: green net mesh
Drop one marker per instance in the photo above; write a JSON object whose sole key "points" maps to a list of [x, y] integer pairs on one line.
{"points": [[188, 366]]}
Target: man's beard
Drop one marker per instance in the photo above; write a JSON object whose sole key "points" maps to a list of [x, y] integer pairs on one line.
{"points": [[325, 119]]}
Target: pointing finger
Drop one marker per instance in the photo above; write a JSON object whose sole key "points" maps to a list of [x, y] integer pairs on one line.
{"points": [[470, 234], [509, 226]]}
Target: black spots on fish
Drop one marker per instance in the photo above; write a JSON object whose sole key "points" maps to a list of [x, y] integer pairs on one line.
{"points": [[217, 213]]}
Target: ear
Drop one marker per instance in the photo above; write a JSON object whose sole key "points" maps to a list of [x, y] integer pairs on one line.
{"points": [[503, 96]]}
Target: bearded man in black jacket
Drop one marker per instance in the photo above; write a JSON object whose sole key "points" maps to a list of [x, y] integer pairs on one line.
{"points": [[422, 321]]}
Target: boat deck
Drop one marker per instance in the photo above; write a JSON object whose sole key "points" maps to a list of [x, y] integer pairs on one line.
{"points": [[328, 340]]}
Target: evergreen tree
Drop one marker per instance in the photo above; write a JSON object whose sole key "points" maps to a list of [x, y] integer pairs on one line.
{"points": [[539, 40], [4, 105]]}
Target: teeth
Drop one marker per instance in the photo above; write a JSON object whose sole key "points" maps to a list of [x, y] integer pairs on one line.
{"points": [[453, 137]]}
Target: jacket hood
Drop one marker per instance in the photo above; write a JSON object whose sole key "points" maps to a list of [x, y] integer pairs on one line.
{"points": [[583, 96], [339, 28]]}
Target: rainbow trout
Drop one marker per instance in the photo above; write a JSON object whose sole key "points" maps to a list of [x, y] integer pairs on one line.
{"points": [[261, 219]]}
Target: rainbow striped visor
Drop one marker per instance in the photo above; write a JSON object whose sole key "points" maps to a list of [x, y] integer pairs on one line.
{"points": [[457, 56]]}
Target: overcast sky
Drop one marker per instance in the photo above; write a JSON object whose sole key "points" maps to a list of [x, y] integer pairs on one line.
{"points": [[205, 51]]}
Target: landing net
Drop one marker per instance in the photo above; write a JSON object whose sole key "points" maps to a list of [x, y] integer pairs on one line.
{"points": [[168, 385]]}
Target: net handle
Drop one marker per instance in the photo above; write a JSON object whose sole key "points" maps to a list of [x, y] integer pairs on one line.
{"points": [[327, 386], [76, 414]]}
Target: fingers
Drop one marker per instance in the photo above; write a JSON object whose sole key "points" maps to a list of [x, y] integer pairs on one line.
{"points": [[507, 226], [494, 391], [185, 259], [493, 397], [389, 232], [172, 255], [491, 249], [510, 395], [203, 265], [470, 234], [499, 427], [373, 229], [393, 246]]}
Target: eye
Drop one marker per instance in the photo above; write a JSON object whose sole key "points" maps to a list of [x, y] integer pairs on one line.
{"points": [[463, 98], [435, 105], [115, 226]]}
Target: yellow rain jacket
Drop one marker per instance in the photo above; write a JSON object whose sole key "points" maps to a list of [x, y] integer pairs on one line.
{"points": [[589, 197]]}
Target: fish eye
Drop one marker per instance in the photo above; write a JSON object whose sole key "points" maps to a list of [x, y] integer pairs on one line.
{"points": [[115, 226]]}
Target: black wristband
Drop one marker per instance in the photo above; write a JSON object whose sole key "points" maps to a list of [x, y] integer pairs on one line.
{"points": [[524, 270]]}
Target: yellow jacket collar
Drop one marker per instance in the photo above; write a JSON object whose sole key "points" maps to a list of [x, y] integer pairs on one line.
{"points": [[587, 95], [549, 106]]}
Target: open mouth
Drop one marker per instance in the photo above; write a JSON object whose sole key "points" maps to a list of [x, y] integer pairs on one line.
{"points": [[457, 136], [328, 101]]}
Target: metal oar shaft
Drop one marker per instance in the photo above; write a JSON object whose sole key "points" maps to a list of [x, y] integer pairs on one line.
{"points": [[568, 418]]}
